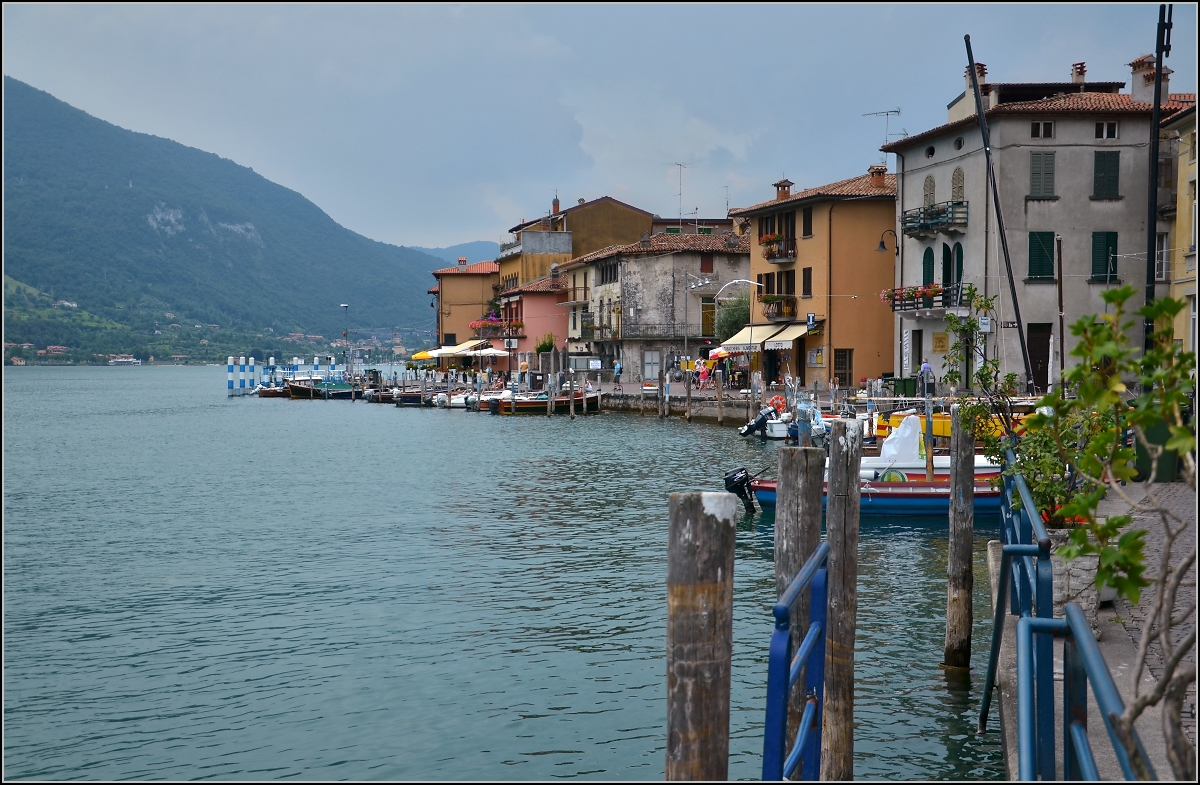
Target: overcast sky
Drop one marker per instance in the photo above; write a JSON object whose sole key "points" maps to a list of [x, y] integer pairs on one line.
{"points": [[434, 125]]}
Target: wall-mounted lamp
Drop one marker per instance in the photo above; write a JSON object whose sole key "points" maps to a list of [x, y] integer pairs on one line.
{"points": [[883, 247]]}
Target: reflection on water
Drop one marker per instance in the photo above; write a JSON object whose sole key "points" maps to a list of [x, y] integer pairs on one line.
{"points": [[203, 587]]}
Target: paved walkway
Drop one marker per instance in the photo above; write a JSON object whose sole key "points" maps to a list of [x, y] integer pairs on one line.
{"points": [[1178, 498]]}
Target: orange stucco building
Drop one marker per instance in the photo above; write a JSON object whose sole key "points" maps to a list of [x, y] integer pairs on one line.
{"points": [[816, 252], [461, 295]]}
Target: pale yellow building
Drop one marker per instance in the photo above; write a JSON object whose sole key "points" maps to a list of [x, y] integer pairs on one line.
{"points": [[1180, 243]]}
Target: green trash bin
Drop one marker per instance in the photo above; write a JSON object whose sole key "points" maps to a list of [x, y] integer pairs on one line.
{"points": [[1168, 462], [904, 386]]}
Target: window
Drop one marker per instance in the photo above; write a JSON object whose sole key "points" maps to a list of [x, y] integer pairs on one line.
{"points": [[806, 281], [672, 230], [1041, 130], [1192, 146], [929, 195], [1041, 254], [706, 263], [766, 225], [1162, 257], [768, 283], [1104, 256], [958, 143], [449, 339], [708, 316], [787, 224], [704, 230], [843, 367], [787, 281], [929, 151], [956, 185], [1107, 175], [608, 272], [807, 219], [927, 267], [1106, 130], [1041, 174], [574, 317]]}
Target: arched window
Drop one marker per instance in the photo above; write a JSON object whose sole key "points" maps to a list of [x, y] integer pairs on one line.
{"points": [[956, 185], [947, 265], [958, 263], [929, 190], [927, 267]]}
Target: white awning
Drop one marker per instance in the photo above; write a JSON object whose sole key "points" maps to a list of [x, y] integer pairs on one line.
{"points": [[749, 339], [783, 339], [460, 349]]}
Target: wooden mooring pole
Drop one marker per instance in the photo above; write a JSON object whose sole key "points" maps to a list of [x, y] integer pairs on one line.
{"points": [[687, 406], [662, 397], [837, 736], [720, 399], [797, 535], [571, 394], [700, 545], [960, 567]]}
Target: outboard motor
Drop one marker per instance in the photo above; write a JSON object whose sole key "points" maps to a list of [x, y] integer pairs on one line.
{"points": [[737, 482], [759, 423], [493, 405]]}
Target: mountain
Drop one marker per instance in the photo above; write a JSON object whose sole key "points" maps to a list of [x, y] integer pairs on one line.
{"points": [[478, 251], [140, 232]]}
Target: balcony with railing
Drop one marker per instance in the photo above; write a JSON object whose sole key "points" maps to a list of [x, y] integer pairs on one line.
{"points": [[576, 295], [780, 251], [933, 299], [943, 217], [778, 307], [498, 328]]}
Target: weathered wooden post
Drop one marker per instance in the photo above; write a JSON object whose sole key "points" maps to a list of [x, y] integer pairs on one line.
{"points": [[837, 735], [700, 545], [550, 394], [797, 535], [928, 428], [641, 399], [571, 394], [720, 399], [422, 403], [687, 406], [960, 568], [661, 396]]}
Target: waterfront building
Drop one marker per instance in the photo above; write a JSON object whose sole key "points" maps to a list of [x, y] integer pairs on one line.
{"points": [[531, 312], [815, 252], [1177, 248], [637, 302], [460, 296], [691, 225], [565, 234], [1072, 169]]}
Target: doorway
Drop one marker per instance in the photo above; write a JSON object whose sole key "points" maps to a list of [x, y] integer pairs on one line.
{"points": [[651, 365], [1038, 342]]}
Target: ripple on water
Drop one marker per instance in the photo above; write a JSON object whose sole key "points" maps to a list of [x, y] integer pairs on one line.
{"points": [[203, 587]]}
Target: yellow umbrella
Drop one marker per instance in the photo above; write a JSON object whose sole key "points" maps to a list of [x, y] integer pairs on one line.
{"points": [[422, 356]]}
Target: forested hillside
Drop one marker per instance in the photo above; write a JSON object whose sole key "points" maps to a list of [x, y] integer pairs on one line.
{"points": [[132, 227]]}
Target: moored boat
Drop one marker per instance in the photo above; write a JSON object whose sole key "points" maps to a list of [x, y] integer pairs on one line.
{"points": [[536, 404], [916, 497]]}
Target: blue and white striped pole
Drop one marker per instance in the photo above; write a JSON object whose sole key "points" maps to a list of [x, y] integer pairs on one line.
{"points": [[316, 367], [253, 378], [332, 368], [241, 375], [229, 375]]}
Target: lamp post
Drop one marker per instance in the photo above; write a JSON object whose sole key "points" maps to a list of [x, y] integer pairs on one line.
{"points": [[699, 282], [346, 336], [717, 296], [883, 246]]}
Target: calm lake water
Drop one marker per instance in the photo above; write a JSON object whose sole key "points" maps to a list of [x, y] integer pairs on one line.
{"points": [[203, 587]]}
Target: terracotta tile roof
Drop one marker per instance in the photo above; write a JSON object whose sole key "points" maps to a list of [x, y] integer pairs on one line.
{"points": [[854, 187], [668, 243], [1110, 103], [479, 268], [572, 208], [544, 284], [436, 288]]}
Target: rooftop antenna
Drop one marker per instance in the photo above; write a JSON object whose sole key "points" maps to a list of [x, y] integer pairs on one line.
{"points": [[887, 117], [727, 201], [681, 168]]}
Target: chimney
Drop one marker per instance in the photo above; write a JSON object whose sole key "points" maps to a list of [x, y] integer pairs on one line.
{"points": [[1141, 82], [1148, 80], [554, 204], [981, 70], [554, 272], [877, 173], [462, 261], [582, 200], [1078, 73], [645, 240], [783, 188]]}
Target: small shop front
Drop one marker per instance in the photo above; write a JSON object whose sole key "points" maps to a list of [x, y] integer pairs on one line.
{"points": [[783, 354]]}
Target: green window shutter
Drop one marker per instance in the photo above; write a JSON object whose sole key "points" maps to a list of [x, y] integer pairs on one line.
{"points": [[1035, 174], [927, 267], [1047, 174], [1104, 249], [947, 266], [1107, 174], [1041, 254]]}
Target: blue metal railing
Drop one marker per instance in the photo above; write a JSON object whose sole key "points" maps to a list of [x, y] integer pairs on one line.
{"points": [[783, 670], [1025, 587]]}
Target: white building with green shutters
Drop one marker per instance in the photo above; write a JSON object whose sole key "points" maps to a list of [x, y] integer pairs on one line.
{"points": [[1072, 163]]}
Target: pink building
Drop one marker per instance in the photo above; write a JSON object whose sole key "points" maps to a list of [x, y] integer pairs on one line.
{"points": [[536, 305]]}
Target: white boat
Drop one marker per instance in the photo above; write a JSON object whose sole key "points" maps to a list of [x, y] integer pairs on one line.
{"points": [[901, 452], [124, 361]]}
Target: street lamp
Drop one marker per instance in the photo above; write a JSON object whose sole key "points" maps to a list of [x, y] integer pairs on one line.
{"points": [[883, 247], [699, 282], [346, 335]]}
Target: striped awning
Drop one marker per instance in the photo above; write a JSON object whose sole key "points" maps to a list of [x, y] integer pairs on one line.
{"points": [[750, 338]]}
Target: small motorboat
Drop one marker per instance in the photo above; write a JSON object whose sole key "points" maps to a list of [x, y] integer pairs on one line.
{"points": [[914, 497]]}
